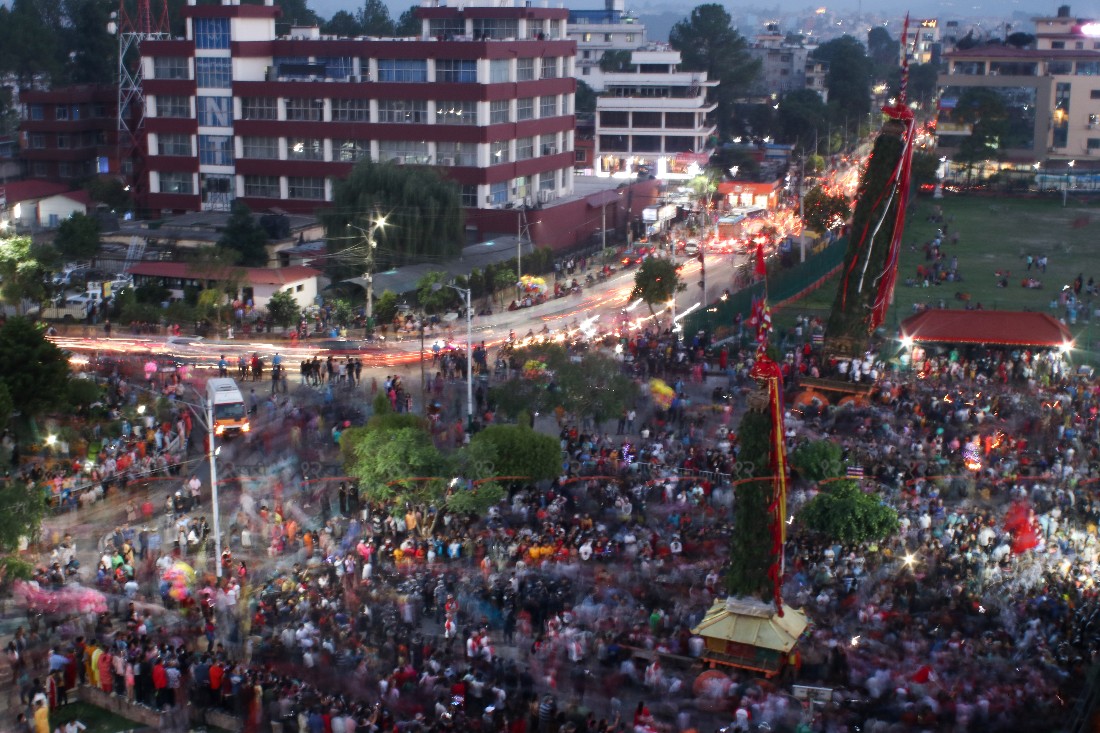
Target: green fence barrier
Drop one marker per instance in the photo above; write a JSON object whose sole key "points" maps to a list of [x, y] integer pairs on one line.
{"points": [[783, 284]]}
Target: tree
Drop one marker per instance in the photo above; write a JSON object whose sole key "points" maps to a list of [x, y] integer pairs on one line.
{"points": [[849, 77], [375, 19], [77, 237], [655, 282], [283, 308], [799, 117], [423, 214], [818, 460], [408, 24], [21, 271], [22, 507], [385, 308], [594, 388], [33, 390], [751, 542], [883, 50], [707, 41], [924, 168], [343, 24], [386, 460], [296, 12], [7, 407], [82, 394], [432, 293], [89, 51], [585, 100], [614, 61], [843, 513], [242, 234], [520, 451], [1019, 39], [111, 192], [822, 211]]}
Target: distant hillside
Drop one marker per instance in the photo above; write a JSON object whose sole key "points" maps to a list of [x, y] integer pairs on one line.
{"points": [[658, 25]]}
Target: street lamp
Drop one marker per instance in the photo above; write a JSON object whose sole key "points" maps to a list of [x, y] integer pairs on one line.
{"points": [[469, 346], [377, 223]]}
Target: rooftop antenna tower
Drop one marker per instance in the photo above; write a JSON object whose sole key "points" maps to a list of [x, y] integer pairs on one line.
{"points": [[134, 23]]}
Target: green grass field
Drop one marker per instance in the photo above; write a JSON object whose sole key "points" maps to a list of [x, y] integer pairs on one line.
{"points": [[994, 234]]}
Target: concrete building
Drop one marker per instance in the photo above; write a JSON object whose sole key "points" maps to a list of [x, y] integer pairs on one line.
{"points": [[258, 284], [652, 121], [69, 133], [485, 92], [782, 65], [923, 44], [32, 205], [598, 31], [1052, 94]]}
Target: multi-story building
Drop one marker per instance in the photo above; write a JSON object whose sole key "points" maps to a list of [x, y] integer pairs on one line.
{"points": [[922, 42], [236, 112], [598, 31], [782, 64], [1051, 93], [652, 120], [815, 74], [69, 132]]}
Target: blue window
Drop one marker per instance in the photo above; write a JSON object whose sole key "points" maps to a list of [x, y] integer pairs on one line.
{"points": [[498, 193], [215, 150], [215, 111], [211, 32], [403, 70], [215, 73], [339, 67], [456, 71], [37, 112]]}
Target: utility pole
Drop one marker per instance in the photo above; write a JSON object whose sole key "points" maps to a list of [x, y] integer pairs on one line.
{"points": [[377, 222], [211, 456]]}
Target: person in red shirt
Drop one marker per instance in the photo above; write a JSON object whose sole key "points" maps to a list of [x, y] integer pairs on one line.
{"points": [[160, 684], [216, 674]]}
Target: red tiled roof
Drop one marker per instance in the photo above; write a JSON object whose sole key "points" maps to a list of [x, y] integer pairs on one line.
{"points": [[32, 190], [254, 275], [999, 328]]}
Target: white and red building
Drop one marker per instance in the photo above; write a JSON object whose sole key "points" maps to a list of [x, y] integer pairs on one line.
{"points": [[485, 92]]}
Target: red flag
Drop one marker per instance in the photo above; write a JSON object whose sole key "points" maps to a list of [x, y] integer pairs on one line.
{"points": [[760, 269]]}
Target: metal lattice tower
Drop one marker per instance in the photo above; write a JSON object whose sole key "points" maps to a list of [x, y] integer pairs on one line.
{"points": [[134, 28]]}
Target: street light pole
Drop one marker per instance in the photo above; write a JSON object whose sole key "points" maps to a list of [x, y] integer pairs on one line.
{"points": [[466, 293], [377, 223], [211, 456]]}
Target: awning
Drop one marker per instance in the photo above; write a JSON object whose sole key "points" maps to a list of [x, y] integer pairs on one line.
{"points": [[995, 328]]}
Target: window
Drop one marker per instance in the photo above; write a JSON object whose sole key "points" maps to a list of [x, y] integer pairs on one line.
{"points": [[337, 67], [264, 187], [456, 113], [1093, 143], [548, 180], [306, 187], [607, 38], [405, 111], [448, 154], [1057, 45], [402, 70], [550, 68], [498, 152], [64, 142], [498, 111], [586, 37], [456, 71], [679, 120], [500, 70], [403, 152], [61, 112], [1094, 94], [170, 67], [215, 111], [446, 28], [214, 73], [176, 182], [211, 32], [40, 169], [215, 150], [495, 28], [525, 69], [174, 145], [469, 196], [38, 141], [304, 110], [351, 110], [65, 170], [525, 148], [630, 38], [76, 111], [37, 112], [350, 151], [549, 145], [525, 108], [304, 148], [548, 106], [260, 148], [1084, 68], [498, 193], [175, 107], [1093, 120], [259, 108], [647, 119]]}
